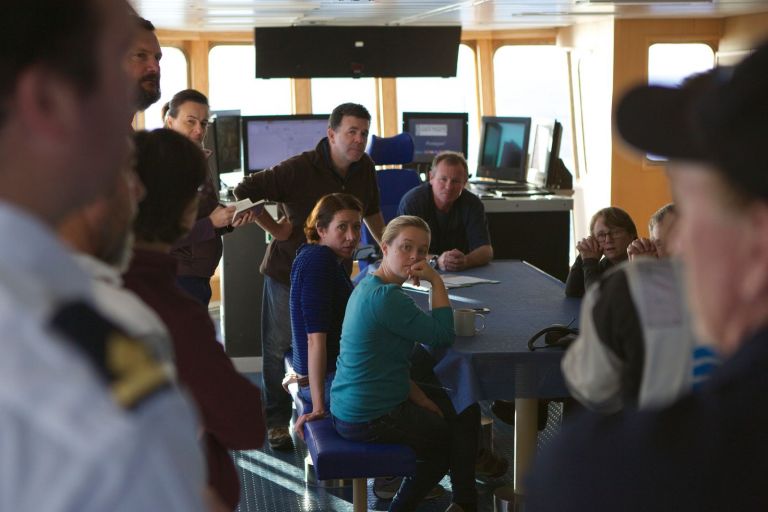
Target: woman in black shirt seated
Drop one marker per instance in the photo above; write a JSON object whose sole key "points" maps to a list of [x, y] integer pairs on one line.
{"points": [[612, 230]]}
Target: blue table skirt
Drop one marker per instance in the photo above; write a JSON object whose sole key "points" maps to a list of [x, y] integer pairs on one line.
{"points": [[496, 363]]}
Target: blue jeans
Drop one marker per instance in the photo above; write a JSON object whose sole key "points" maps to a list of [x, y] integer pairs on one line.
{"points": [[424, 431], [275, 342], [198, 287], [306, 395], [464, 427]]}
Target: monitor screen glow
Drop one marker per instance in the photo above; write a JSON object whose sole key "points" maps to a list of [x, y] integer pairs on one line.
{"points": [[436, 132], [268, 140], [504, 148], [226, 125], [542, 145]]}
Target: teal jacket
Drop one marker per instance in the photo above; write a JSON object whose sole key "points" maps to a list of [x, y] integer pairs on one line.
{"points": [[381, 325]]}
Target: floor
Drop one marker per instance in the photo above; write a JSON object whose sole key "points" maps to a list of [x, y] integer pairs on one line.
{"points": [[274, 480]]}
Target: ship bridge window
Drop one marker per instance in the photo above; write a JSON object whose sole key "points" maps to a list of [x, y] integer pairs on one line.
{"points": [[670, 63], [455, 94], [173, 78], [532, 81], [327, 93], [232, 86]]}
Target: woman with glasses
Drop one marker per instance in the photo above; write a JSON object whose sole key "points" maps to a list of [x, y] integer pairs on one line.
{"points": [[612, 230]]}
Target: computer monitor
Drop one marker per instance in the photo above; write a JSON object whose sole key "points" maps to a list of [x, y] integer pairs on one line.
{"points": [[268, 140], [545, 151], [433, 132], [225, 129], [504, 148]]}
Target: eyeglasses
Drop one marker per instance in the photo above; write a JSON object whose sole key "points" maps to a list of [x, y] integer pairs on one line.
{"points": [[613, 233]]}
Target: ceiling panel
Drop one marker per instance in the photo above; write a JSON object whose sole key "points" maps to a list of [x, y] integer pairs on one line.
{"points": [[237, 15]]}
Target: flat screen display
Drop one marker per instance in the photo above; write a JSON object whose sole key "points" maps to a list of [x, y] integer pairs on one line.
{"points": [[226, 125], [268, 140], [504, 148], [436, 132], [540, 153]]}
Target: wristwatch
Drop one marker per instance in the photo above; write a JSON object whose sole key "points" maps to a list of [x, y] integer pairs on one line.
{"points": [[433, 262]]}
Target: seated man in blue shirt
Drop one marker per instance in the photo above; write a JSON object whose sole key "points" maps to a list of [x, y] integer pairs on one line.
{"points": [[456, 216]]}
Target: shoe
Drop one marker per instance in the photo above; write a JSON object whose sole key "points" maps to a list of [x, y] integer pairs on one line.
{"points": [[488, 465], [279, 438], [385, 488], [504, 410]]}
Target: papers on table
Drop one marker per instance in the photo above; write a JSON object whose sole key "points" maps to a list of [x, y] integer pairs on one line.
{"points": [[457, 281], [451, 281], [244, 204]]}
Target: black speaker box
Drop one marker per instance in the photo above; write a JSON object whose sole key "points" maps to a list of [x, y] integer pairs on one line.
{"points": [[334, 51]]}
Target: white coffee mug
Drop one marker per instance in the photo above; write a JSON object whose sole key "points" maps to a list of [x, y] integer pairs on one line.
{"points": [[465, 322]]}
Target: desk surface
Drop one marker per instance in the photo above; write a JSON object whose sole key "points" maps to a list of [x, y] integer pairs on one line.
{"points": [[496, 363]]}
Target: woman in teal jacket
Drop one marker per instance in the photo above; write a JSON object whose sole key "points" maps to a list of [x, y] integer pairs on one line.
{"points": [[373, 398]]}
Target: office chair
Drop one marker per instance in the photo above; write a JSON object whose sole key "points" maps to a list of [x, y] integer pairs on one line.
{"points": [[393, 184]]}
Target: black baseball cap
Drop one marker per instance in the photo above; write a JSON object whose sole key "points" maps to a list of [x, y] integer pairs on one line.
{"points": [[719, 117]]}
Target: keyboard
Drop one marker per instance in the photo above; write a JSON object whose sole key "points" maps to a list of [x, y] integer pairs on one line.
{"points": [[503, 187]]}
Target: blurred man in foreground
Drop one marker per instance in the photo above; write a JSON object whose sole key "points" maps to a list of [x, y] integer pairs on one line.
{"points": [[709, 450]]}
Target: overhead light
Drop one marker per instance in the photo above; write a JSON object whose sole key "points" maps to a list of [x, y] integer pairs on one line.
{"points": [[644, 2], [229, 12]]}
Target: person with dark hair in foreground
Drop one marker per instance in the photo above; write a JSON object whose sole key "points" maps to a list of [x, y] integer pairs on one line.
{"points": [[337, 164], [611, 231], [708, 450], [89, 418], [172, 168]]}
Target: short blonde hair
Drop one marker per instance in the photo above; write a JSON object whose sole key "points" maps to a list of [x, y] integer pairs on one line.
{"points": [[397, 225]]}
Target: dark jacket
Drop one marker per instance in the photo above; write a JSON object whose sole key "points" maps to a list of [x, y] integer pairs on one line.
{"points": [[230, 405], [199, 252], [297, 184], [583, 274], [706, 452]]}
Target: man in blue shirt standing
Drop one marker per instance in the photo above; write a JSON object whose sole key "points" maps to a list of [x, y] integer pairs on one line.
{"points": [[460, 237]]}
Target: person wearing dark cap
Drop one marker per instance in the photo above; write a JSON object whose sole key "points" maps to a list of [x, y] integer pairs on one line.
{"points": [[708, 450]]}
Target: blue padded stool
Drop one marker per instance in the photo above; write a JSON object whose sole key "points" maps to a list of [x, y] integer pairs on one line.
{"points": [[334, 457]]}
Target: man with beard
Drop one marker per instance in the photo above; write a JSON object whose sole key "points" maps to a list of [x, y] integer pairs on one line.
{"points": [[101, 235], [144, 64]]}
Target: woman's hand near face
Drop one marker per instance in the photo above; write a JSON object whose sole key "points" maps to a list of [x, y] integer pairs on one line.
{"points": [[589, 248], [423, 270], [641, 247]]}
